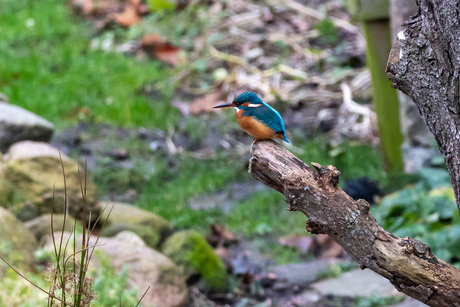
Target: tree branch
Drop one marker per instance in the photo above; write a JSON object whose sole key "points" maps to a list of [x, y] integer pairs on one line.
{"points": [[407, 263], [424, 63]]}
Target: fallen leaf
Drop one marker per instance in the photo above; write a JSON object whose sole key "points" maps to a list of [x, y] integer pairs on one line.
{"points": [[156, 46], [84, 6], [129, 17], [205, 103], [220, 236], [303, 243], [325, 247], [168, 53]]}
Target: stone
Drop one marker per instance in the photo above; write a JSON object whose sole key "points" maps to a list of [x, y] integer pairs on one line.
{"points": [[359, 283], [410, 302], [41, 226], [34, 168], [308, 298], [17, 124], [17, 243], [6, 188], [146, 267], [296, 275], [196, 259], [152, 228], [417, 157]]}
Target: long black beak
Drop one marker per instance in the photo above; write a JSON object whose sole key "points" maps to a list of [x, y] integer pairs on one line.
{"points": [[224, 105]]}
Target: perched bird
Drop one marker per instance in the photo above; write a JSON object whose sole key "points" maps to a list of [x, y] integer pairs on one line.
{"points": [[256, 117]]}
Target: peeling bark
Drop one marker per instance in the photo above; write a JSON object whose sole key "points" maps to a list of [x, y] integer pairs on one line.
{"points": [[424, 63], [407, 263]]}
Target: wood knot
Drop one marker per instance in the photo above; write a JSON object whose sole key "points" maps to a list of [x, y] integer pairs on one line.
{"points": [[419, 249], [363, 205], [314, 227], [382, 236], [330, 173]]}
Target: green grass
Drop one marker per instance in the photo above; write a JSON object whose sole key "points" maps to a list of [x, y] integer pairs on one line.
{"points": [[174, 182], [48, 67]]}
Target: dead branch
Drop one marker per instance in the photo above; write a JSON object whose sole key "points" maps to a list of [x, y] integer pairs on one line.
{"points": [[424, 63], [407, 263]]}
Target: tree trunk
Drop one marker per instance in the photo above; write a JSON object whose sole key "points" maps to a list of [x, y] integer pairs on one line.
{"points": [[407, 263], [424, 63]]}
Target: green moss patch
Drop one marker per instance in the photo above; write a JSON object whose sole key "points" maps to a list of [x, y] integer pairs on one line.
{"points": [[193, 255]]}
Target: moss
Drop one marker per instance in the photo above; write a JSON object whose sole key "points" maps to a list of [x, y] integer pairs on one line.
{"points": [[35, 177], [17, 242], [149, 226], [193, 255]]}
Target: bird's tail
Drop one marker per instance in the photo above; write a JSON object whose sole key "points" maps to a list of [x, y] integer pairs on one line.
{"points": [[285, 137]]}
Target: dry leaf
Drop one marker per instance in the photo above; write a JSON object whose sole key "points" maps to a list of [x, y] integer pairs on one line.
{"points": [[205, 103], [156, 46], [326, 247], [220, 236], [168, 53], [303, 243], [129, 17]]}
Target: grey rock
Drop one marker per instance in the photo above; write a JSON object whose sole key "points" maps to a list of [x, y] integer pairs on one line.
{"points": [[410, 302], [41, 226], [416, 157], [34, 168], [308, 298], [17, 124], [120, 217], [295, 275], [357, 283]]}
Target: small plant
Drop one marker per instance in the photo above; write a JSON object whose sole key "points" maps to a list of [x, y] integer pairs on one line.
{"points": [[376, 301], [69, 283]]}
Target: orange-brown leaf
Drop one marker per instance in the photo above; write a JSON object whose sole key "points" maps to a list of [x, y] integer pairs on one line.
{"points": [[205, 103], [129, 17], [156, 46]]}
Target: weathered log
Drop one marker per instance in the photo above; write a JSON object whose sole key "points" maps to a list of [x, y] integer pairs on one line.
{"points": [[424, 63], [407, 263]]}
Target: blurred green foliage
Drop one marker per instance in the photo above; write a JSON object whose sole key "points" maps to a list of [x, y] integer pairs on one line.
{"points": [[425, 211], [112, 288], [328, 31], [48, 67]]}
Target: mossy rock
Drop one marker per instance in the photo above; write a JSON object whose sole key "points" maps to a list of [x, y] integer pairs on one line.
{"points": [[124, 217], [194, 256], [17, 243], [34, 168], [151, 237], [6, 188], [41, 226]]}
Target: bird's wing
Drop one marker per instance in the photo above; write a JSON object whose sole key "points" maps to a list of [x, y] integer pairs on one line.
{"points": [[269, 117]]}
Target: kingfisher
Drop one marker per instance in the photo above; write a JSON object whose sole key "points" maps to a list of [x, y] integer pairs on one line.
{"points": [[256, 117]]}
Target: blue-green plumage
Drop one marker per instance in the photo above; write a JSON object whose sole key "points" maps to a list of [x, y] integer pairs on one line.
{"points": [[261, 111]]}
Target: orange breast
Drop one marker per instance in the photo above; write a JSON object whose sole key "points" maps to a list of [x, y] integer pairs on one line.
{"points": [[255, 128]]}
